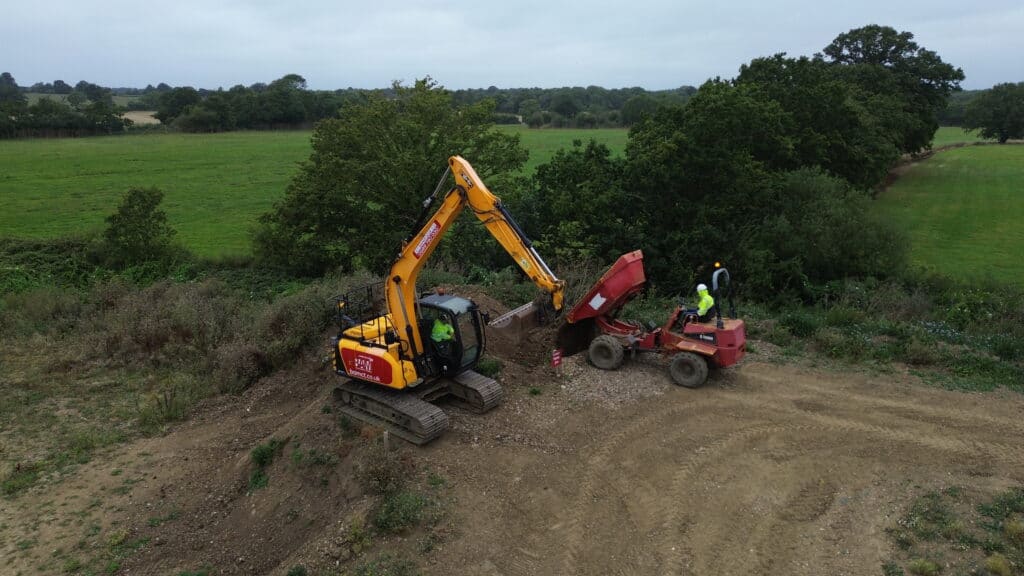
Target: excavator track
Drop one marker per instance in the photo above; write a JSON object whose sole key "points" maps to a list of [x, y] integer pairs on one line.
{"points": [[476, 392], [410, 415], [404, 415]]}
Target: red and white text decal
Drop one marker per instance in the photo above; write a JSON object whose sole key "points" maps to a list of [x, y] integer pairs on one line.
{"points": [[421, 246], [366, 367]]}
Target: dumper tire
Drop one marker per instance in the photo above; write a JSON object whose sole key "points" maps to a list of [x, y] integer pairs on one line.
{"points": [[606, 352], [688, 370]]}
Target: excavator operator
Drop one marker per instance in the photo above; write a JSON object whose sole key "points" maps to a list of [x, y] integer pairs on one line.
{"points": [[442, 334]]}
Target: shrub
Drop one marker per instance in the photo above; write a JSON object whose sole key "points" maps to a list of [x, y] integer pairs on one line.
{"points": [[292, 323], [239, 365], [1008, 347], [843, 317], [387, 566], [998, 565], [400, 511], [489, 367], [384, 471], [21, 477], [831, 342], [263, 454], [1014, 530], [166, 322], [138, 231], [923, 567], [778, 334], [922, 353], [800, 323], [42, 310]]}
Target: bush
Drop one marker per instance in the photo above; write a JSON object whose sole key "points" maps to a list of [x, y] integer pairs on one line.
{"points": [[138, 232], [923, 567], [998, 565], [387, 566], [843, 316], [292, 323], [169, 322], [400, 511], [831, 342], [922, 353], [384, 471], [239, 365], [42, 310], [263, 454], [800, 323], [489, 367]]}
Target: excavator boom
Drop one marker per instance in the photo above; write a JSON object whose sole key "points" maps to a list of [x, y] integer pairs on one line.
{"points": [[471, 192]]}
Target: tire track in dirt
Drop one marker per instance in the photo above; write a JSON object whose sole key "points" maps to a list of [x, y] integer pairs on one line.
{"points": [[1007, 452], [907, 409], [682, 480], [588, 492]]}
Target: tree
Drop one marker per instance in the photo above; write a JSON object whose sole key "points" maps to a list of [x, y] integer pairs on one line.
{"points": [[360, 193], [881, 60], [602, 226], [833, 124], [997, 113], [175, 102], [637, 108], [9, 90], [565, 104], [138, 232], [701, 175], [529, 107]]}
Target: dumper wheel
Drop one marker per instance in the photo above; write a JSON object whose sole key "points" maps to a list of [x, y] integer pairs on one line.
{"points": [[688, 370], [605, 352]]}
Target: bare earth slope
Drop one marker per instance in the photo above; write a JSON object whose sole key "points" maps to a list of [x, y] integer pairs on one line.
{"points": [[770, 469]]}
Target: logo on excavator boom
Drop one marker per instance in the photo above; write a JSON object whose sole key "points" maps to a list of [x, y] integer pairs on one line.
{"points": [[432, 232], [469, 181]]}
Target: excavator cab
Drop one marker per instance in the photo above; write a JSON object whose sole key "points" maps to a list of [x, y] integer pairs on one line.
{"points": [[461, 352]]}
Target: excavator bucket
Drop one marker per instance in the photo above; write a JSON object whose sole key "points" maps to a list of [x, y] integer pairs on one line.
{"points": [[515, 324], [575, 337], [617, 286]]}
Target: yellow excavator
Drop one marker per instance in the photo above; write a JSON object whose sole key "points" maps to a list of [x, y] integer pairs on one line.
{"points": [[399, 352]]}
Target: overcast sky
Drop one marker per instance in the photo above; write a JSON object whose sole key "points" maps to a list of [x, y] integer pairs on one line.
{"points": [[474, 43]]}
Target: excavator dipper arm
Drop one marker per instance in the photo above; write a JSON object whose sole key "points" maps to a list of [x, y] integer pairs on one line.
{"points": [[469, 191]]}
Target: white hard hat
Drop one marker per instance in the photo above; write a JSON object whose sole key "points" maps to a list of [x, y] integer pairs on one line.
{"points": [[701, 287]]}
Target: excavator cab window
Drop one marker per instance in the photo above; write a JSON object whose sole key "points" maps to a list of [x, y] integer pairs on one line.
{"points": [[463, 349], [469, 333]]}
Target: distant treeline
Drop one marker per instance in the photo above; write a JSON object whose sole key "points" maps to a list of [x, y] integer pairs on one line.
{"points": [[287, 103], [84, 110]]}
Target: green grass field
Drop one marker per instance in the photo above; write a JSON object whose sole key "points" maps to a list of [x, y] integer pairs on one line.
{"points": [[952, 135], [543, 144], [963, 209], [215, 185]]}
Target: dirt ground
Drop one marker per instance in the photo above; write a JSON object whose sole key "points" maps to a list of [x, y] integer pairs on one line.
{"points": [[769, 469]]}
